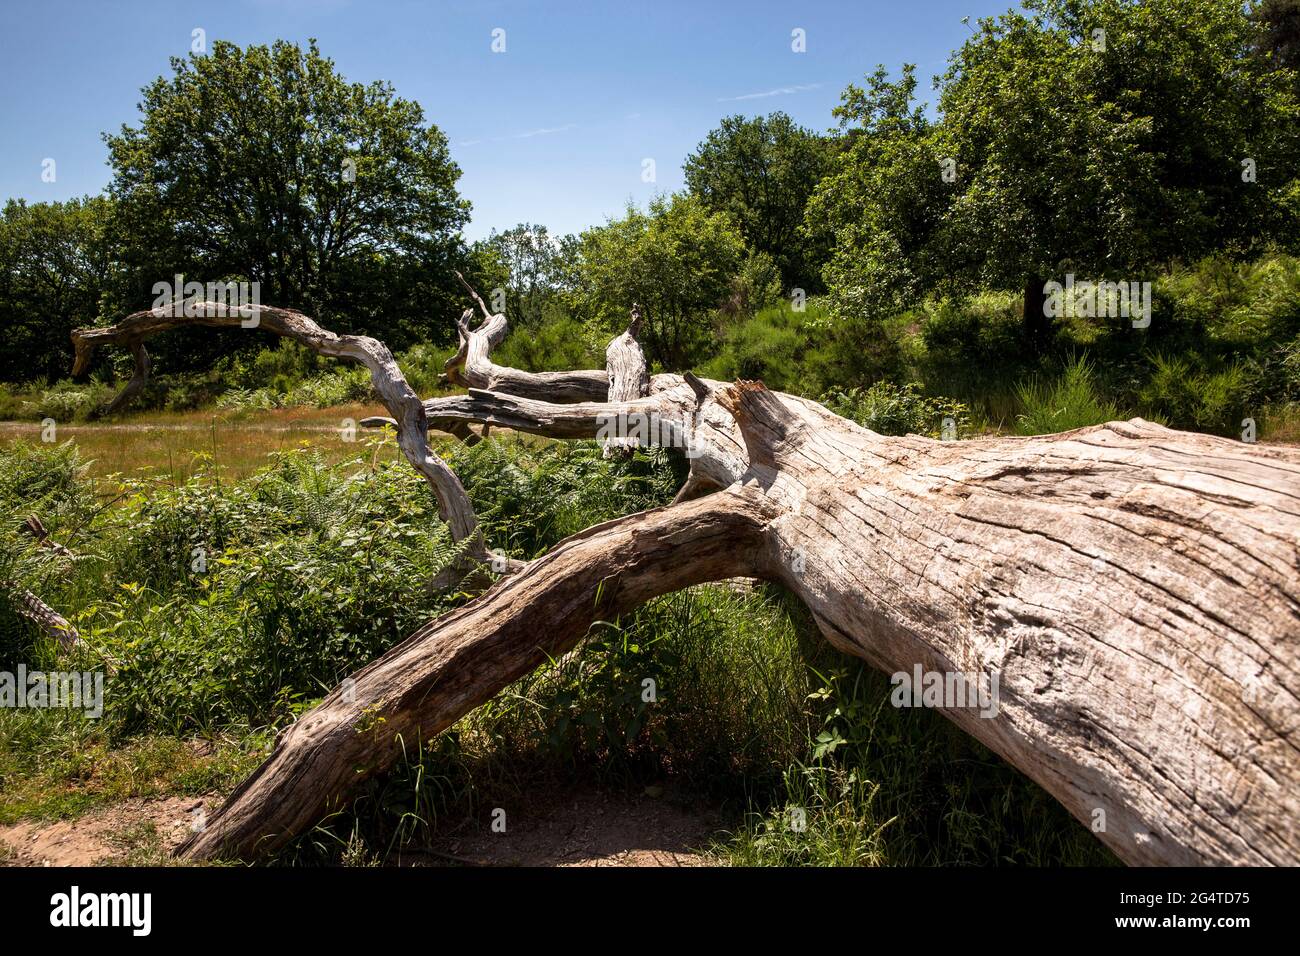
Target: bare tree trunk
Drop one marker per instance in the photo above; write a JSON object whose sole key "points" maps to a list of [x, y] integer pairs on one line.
{"points": [[1037, 323], [629, 376], [1133, 591]]}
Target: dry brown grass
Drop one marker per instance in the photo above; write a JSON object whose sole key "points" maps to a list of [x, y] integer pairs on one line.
{"points": [[177, 444], [1282, 425]]}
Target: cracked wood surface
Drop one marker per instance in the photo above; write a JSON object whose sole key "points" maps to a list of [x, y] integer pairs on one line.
{"points": [[1135, 589], [628, 375]]}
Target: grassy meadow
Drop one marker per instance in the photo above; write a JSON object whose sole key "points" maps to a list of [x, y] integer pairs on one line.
{"points": [[178, 445]]}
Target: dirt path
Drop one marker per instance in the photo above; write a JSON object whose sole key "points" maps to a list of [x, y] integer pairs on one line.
{"points": [[580, 827], [135, 831]]}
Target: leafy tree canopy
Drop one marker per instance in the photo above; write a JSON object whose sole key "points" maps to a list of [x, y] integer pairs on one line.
{"points": [[533, 262], [1101, 137], [677, 260], [761, 172], [264, 164], [56, 261]]}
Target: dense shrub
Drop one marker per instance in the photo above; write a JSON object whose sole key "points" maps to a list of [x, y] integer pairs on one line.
{"points": [[556, 344], [422, 365], [1070, 400], [890, 409], [1192, 398]]}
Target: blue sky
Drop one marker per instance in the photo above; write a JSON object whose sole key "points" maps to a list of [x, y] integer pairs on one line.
{"points": [[554, 130]]}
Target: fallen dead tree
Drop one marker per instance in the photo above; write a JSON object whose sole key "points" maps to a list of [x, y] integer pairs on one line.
{"points": [[1134, 590]]}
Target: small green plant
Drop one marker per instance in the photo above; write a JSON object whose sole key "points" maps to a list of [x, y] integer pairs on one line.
{"points": [[1071, 400], [67, 401], [336, 388], [239, 399]]}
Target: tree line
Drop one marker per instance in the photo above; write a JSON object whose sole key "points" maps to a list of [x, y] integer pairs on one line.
{"points": [[1098, 138]]}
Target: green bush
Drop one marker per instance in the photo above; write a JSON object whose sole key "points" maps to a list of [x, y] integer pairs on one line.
{"points": [[230, 604], [67, 401], [768, 347], [559, 343], [237, 399], [1193, 398], [529, 495], [811, 351], [279, 366], [421, 365], [332, 388], [1071, 400], [890, 409], [975, 332], [47, 477], [12, 405]]}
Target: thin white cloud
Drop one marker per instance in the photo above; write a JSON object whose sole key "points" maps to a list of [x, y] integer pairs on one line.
{"points": [[779, 91], [544, 131]]}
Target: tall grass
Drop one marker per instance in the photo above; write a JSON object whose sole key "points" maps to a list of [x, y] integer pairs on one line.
{"points": [[1070, 400], [1192, 397]]}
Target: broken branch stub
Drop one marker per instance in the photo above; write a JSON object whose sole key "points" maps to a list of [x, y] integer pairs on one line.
{"points": [[629, 377]]}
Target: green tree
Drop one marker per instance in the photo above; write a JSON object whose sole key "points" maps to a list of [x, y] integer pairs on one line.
{"points": [[884, 202], [677, 260], [264, 164], [1100, 137], [761, 172], [532, 260], [1280, 36], [56, 261]]}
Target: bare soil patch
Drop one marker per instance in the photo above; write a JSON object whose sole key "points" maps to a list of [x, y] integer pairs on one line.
{"points": [[577, 827], [581, 827], [102, 836]]}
